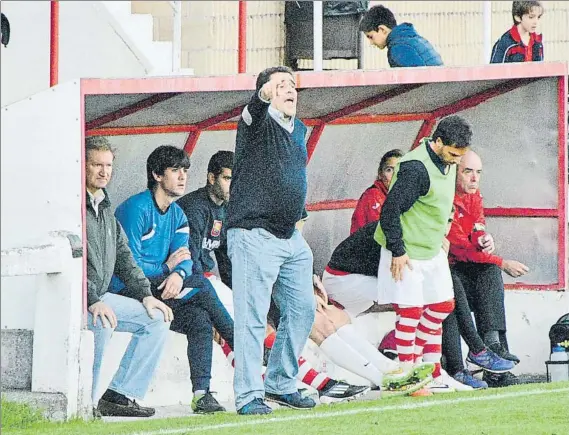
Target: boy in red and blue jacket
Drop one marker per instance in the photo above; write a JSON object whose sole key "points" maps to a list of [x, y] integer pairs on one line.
{"points": [[521, 43]]}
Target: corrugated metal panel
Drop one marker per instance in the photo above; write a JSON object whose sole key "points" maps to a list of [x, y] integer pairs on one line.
{"points": [[455, 29]]}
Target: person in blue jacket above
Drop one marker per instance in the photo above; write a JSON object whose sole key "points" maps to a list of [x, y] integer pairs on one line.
{"points": [[405, 47], [158, 235]]}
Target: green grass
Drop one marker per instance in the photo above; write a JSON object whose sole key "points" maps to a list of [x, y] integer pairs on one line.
{"points": [[538, 410], [19, 415]]}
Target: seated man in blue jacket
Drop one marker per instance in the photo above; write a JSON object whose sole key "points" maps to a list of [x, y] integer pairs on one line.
{"points": [[405, 47], [158, 234]]}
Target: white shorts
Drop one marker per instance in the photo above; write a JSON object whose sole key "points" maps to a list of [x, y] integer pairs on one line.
{"points": [[355, 292], [428, 283]]}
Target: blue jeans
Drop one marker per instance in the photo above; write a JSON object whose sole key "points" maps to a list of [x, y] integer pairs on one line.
{"points": [[143, 352], [261, 261]]}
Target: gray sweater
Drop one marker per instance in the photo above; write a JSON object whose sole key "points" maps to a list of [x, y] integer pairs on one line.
{"points": [[108, 253]]}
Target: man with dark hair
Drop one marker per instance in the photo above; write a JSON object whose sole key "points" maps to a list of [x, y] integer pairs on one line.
{"points": [[521, 43], [405, 47], [205, 209], [158, 234], [413, 271], [268, 193], [369, 205], [141, 314]]}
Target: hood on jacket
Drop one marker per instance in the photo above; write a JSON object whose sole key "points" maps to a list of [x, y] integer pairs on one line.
{"points": [[402, 31]]}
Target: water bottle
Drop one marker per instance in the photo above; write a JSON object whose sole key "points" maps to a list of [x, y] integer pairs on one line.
{"points": [[559, 372]]}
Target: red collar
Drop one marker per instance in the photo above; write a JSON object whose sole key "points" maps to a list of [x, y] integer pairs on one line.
{"points": [[379, 184], [515, 34]]}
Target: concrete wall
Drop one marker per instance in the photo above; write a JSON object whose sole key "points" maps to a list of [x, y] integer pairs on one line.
{"points": [[89, 47]]}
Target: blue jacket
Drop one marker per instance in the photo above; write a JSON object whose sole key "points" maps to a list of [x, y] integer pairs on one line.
{"points": [[153, 235], [510, 48], [405, 48]]}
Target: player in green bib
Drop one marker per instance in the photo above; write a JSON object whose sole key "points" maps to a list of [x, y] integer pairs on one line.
{"points": [[413, 271]]}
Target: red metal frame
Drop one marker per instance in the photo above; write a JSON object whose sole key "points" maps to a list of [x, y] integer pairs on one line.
{"points": [[129, 110], [54, 43], [524, 72], [242, 38]]}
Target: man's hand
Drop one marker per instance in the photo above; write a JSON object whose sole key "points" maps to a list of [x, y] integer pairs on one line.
{"points": [[176, 257], [446, 245], [319, 288], [171, 286], [100, 309], [269, 89], [486, 242], [514, 268], [150, 303], [397, 266]]}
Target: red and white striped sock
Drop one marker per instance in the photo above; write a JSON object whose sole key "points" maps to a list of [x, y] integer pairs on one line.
{"points": [[309, 376], [429, 333], [306, 373], [228, 352], [405, 330]]}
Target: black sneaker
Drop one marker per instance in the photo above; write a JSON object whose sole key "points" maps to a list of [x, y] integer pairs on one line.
{"points": [[206, 404], [499, 380], [292, 400], [130, 409], [498, 349], [97, 414], [338, 391]]}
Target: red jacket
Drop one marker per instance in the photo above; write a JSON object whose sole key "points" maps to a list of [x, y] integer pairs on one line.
{"points": [[468, 225], [369, 205]]}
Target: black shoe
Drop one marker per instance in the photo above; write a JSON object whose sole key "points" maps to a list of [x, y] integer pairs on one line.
{"points": [[499, 380], [97, 414], [498, 349], [206, 404], [292, 400], [337, 391], [130, 409]]}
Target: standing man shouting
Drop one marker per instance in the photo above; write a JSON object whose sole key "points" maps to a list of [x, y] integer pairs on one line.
{"points": [[268, 192], [413, 271]]}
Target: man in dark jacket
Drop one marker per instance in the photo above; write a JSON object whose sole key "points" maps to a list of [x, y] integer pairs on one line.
{"points": [[139, 313], [405, 47]]}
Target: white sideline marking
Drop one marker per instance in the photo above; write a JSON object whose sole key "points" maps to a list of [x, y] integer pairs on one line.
{"points": [[313, 416]]}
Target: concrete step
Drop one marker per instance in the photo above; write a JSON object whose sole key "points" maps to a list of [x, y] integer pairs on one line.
{"points": [[17, 352], [52, 405]]}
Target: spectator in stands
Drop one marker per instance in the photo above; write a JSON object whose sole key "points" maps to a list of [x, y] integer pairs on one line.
{"points": [[206, 212], [413, 270], [268, 192], [369, 205], [478, 269], [141, 314], [405, 47], [521, 43], [158, 235]]}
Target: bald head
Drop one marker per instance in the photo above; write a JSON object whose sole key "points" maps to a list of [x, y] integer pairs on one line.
{"points": [[468, 174]]}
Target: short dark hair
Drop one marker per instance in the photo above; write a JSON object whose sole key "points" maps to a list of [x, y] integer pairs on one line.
{"points": [[220, 160], [97, 143], [265, 75], [389, 155], [162, 158], [453, 130], [377, 16], [519, 9]]}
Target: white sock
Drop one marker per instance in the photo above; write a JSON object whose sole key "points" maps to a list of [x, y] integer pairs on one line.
{"points": [[342, 354], [349, 334]]}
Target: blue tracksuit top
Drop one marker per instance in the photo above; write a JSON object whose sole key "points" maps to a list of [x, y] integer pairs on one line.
{"points": [[153, 235], [268, 186]]}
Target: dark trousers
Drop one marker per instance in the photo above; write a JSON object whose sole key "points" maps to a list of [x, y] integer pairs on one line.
{"points": [[459, 323], [479, 288], [196, 317]]}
